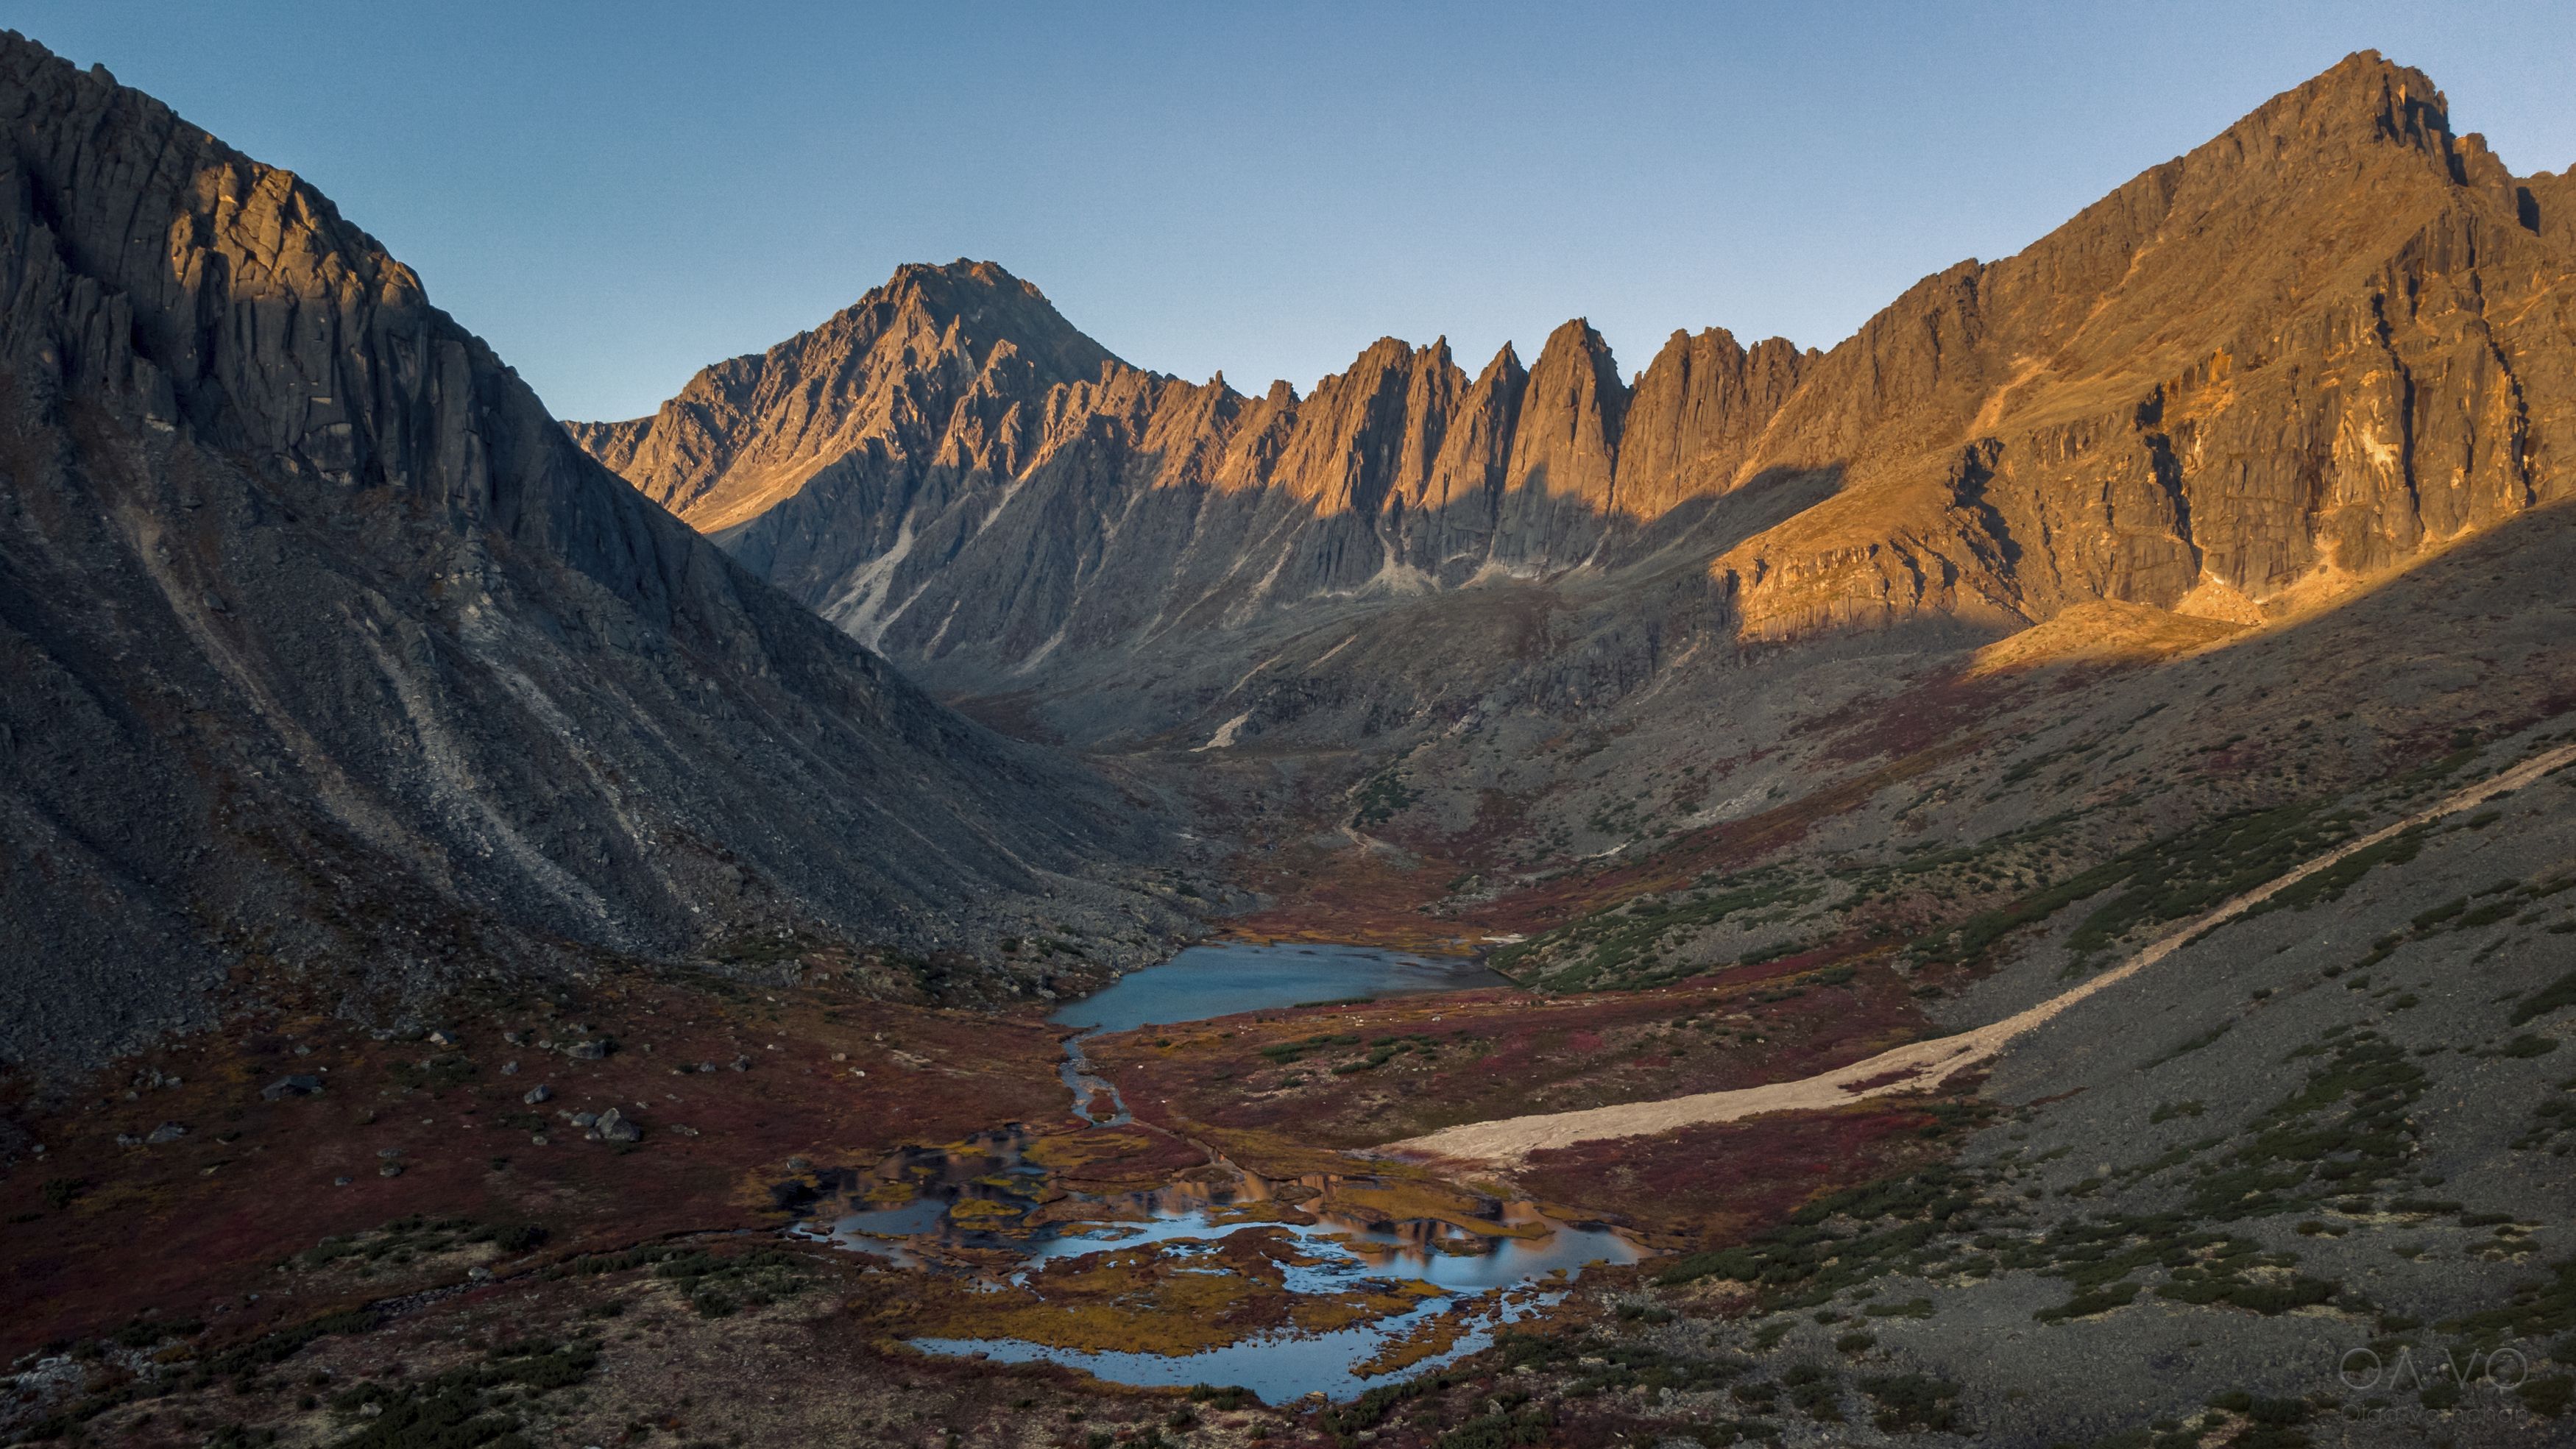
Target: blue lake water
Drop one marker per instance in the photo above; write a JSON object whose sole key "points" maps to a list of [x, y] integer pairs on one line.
{"points": [[1224, 977]]}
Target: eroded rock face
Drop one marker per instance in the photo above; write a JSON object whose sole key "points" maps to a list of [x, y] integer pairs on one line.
{"points": [[330, 655], [935, 362], [2252, 378], [2330, 339]]}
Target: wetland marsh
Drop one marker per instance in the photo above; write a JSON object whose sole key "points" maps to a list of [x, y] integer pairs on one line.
{"points": [[1144, 1258]]}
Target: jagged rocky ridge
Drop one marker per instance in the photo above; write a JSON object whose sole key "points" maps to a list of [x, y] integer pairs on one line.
{"points": [[950, 451], [332, 661], [2328, 342]]}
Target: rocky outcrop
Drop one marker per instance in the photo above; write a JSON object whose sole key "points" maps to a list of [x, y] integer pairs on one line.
{"points": [[336, 668], [1699, 412], [1568, 441], [2251, 380]]}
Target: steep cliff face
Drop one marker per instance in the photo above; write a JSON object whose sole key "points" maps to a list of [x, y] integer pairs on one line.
{"points": [[330, 657], [2252, 379], [1699, 412], [2330, 340]]}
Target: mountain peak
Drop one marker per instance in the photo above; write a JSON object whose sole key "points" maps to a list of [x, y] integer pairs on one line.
{"points": [[957, 286], [983, 300], [2364, 100], [1570, 418], [897, 365], [1505, 366]]}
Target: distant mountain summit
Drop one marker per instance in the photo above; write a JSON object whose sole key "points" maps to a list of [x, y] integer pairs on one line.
{"points": [[2251, 380], [893, 369], [335, 668]]}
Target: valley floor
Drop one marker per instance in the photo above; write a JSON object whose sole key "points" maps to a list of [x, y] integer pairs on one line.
{"points": [[2319, 1121], [2343, 1226]]}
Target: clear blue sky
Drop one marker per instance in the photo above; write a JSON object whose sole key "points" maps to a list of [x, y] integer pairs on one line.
{"points": [[618, 193]]}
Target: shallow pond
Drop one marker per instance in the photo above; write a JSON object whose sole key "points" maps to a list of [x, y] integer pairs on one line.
{"points": [[983, 1211], [1404, 1294]]}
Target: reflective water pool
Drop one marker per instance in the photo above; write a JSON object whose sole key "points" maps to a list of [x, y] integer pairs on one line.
{"points": [[1403, 1274], [1225, 977], [1512, 1259]]}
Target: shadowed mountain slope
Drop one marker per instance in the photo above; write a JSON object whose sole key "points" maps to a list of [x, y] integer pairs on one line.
{"points": [[331, 659]]}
